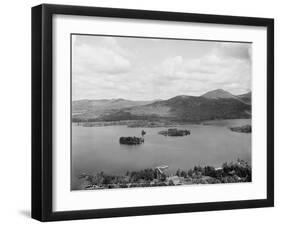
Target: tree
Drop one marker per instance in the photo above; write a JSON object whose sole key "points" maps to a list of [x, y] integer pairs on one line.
{"points": [[178, 172], [183, 174], [190, 172], [209, 171]]}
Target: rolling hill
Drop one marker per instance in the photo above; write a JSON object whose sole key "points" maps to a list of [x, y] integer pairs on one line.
{"points": [[218, 94], [217, 104], [246, 98], [89, 109]]}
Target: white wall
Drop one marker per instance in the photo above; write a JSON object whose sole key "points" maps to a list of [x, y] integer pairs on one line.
{"points": [[15, 111]]}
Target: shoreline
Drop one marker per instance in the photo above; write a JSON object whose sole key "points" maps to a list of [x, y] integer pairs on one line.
{"points": [[134, 123], [237, 172], [151, 123]]}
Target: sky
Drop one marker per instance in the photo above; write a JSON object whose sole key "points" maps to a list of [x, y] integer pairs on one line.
{"points": [[107, 67]]}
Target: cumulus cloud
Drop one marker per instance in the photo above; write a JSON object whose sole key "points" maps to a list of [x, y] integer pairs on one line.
{"points": [[108, 67], [232, 50], [95, 64], [104, 56], [227, 66]]}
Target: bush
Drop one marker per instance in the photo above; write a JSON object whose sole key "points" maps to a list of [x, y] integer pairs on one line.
{"points": [[147, 175], [190, 173], [210, 171]]}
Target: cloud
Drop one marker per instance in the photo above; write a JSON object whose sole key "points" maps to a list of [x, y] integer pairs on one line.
{"points": [[232, 50], [227, 66], [106, 67], [102, 56], [98, 63]]}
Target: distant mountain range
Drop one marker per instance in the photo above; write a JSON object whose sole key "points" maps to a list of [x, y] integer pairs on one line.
{"points": [[216, 104]]}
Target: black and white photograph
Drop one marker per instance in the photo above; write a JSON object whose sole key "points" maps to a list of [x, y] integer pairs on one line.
{"points": [[152, 112]]}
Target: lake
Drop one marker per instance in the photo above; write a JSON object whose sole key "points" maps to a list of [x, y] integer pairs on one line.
{"points": [[96, 149]]}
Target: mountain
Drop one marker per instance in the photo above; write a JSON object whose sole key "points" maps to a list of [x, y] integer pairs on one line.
{"points": [[217, 104], [217, 94], [220, 93], [202, 108], [86, 109], [246, 98]]}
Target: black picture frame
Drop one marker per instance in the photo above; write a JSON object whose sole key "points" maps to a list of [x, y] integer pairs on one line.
{"points": [[42, 106]]}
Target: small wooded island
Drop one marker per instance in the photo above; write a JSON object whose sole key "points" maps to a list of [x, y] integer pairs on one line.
{"points": [[242, 129], [175, 132], [131, 140]]}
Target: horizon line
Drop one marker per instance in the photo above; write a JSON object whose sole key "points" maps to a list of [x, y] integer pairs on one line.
{"points": [[161, 98]]}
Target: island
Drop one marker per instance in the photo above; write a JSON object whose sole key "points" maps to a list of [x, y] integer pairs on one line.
{"points": [[175, 132], [242, 129], [131, 140]]}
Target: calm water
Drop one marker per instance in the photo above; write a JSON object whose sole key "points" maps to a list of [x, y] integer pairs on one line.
{"points": [[96, 149]]}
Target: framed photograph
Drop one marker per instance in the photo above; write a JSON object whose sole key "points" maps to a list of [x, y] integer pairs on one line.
{"points": [[145, 112]]}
